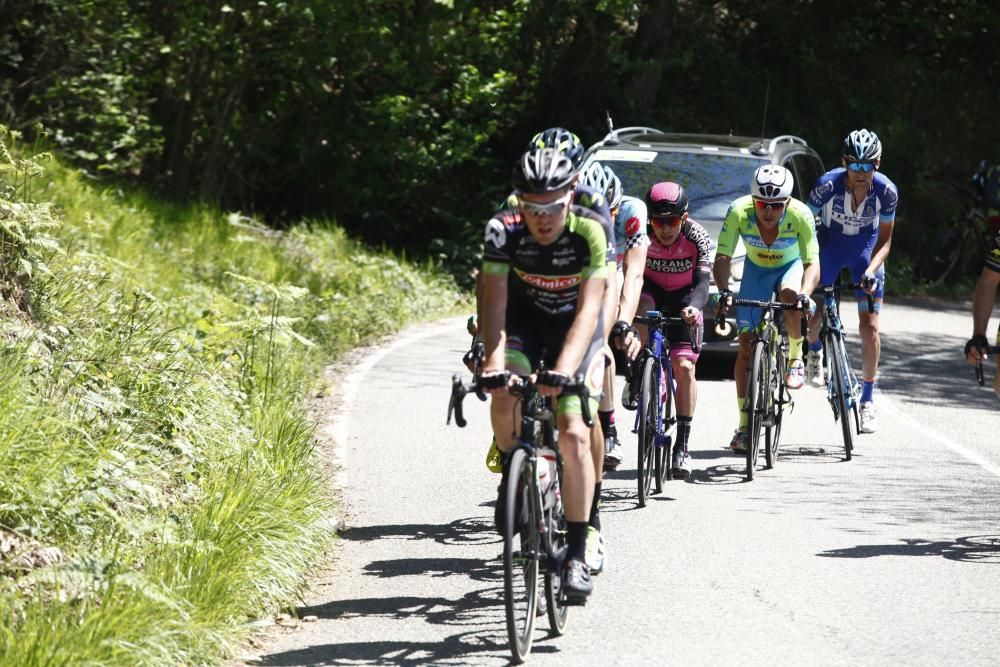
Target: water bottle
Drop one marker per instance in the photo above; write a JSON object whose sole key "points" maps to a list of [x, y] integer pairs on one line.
{"points": [[548, 476]]}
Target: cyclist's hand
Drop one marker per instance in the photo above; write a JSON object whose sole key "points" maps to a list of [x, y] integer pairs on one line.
{"points": [[691, 316], [975, 349], [551, 383], [472, 326], [625, 338], [725, 301], [806, 304], [869, 283], [495, 382]]}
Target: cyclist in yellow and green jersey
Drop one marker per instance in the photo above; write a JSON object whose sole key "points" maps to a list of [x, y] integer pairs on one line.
{"points": [[778, 232]]}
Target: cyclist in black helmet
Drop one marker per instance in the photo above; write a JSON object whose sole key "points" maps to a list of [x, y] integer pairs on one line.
{"points": [[545, 271], [987, 181]]}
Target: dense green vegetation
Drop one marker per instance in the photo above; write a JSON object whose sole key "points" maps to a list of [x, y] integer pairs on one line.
{"points": [[158, 485], [400, 118]]}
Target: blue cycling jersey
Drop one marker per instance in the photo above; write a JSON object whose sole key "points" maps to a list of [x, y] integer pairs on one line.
{"points": [[841, 222], [630, 226]]}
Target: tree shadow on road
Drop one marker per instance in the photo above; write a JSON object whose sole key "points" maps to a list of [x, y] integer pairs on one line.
{"points": [[472, 530], [972, 549]]}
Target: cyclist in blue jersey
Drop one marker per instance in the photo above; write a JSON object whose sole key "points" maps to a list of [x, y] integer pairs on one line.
{"points": [[987, 180], [856, 205], [629, 219], [545, 268]]}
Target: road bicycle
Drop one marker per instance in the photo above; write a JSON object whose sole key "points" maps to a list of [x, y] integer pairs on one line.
{"points": [[766, 395], [655, 421], [955, 249], [980, 379], [534, 521], [842, 387]]}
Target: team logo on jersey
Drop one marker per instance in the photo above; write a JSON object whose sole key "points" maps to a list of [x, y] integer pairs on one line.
{"points": [[670, 265], [632, 226], [496, 233], [549, 283]]}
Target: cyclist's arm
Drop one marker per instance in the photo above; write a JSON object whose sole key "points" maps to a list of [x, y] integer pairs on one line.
{"points": [[494, 308], [810, 277], [982, 301], [588, 309], [882, 246], [721, 271], [635, 263]]}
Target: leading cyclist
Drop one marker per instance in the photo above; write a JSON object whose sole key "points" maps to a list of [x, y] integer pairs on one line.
{"points": [[987, 180], [545, 266], [782, 255]]}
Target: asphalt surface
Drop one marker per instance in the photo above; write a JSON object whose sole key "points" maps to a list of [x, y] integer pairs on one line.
{"points": [[891, 558]]}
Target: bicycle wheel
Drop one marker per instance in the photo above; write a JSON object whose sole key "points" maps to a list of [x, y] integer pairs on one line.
{"points": [[755, 397], [520, 555], [841, 391], [648, 401], [558, 613], [777, 391], [666, 418]]}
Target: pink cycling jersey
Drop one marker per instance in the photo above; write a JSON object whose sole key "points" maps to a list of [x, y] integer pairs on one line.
{"points": [[672, 267]]}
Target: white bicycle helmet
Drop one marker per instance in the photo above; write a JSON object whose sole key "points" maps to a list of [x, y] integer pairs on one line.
{"points": [[604, 180], [772, 182]]}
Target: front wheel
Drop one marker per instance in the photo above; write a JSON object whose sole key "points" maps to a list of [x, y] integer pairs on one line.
{"points": [[778, 392], [520, 555], [756, 400], [841, 392], [666, 419], [649, 397], [558, 613]]}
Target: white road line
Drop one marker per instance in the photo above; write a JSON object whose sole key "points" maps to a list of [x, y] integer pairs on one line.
{"points": [[961, 450]]}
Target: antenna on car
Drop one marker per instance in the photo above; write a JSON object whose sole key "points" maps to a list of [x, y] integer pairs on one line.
{"points": [[611, 124], [763, 121]]}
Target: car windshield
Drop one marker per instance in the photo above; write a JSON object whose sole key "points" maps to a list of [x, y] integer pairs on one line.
{"points": [[712, 181]]}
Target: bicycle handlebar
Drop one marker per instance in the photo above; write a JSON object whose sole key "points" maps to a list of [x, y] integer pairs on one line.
{"points": [[522, 387], [656, 319], [990, 349], [830, 289], [765, 305]]}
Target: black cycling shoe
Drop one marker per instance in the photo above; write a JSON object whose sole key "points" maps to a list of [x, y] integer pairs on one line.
{"points": [[500, 509], [680, 467], [576, 583]]}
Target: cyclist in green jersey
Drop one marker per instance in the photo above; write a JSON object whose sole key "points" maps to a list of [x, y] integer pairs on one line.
{"points": [[778, 232]]}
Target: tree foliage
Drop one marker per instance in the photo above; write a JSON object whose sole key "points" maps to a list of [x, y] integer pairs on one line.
{"points": [[400, 118]]}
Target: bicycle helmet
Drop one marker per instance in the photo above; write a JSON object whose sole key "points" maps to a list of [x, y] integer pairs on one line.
{"points": [[543, 170], [667, 199], [563, 141], [862, 146], [772, 181], [604, 180]]}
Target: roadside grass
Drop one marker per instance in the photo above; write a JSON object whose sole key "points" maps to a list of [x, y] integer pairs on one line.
{"points": [[158, 480]]}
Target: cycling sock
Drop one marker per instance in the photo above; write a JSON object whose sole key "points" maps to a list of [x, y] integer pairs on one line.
{"points": [[816, 346], [794, 349], [867, 390], [744, 417], [607, 419], [595, 508], [576, 540], [683, 432]]}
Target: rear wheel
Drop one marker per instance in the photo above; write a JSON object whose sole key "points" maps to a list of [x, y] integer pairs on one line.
{"points": [[756, 404], [520, 555], [558, 613], [778, 391], [648, 403], [841, 397]]}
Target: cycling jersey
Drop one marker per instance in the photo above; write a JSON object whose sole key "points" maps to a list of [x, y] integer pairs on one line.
{"points": [[674, 267], [796, 238], [630, 227], [547, 279], [842, 222]]}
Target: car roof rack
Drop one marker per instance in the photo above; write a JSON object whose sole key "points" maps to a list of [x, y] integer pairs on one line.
{"points": [[615, 135], [785, 139]]}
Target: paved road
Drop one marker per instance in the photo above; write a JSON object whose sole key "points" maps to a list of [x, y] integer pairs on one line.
{"points": [[891, 558]]}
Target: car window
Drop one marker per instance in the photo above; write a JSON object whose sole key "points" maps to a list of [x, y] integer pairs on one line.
{"points": [[806, 170], [712, 181]]}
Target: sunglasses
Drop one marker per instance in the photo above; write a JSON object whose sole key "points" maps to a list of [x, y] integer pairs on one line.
{"points": [[861, 166], [552, 208], [667, 220], [761, 205]]}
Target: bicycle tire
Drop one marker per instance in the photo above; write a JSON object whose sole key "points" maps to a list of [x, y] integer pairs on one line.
{"points": [[840, 392], [773, 434], [648, 399], [558, 613], [755, 388], [520, 555], [663, 460]]}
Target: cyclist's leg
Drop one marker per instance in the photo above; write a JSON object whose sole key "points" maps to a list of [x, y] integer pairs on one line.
{"points": [[789, 287], [757, 284], [683, 360], [605, 438], [868, 324]]}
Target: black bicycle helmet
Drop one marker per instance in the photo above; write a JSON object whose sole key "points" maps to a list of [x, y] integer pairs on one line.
{"points": [[862, 146], [666, 199], [563, 141], [543, 170]]}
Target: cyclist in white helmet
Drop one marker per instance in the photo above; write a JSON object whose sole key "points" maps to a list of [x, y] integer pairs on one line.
{"points": [[628, 218], [782, 256]]}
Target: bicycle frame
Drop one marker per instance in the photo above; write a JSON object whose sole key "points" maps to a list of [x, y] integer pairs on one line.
{"points": [[658, 347]]}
